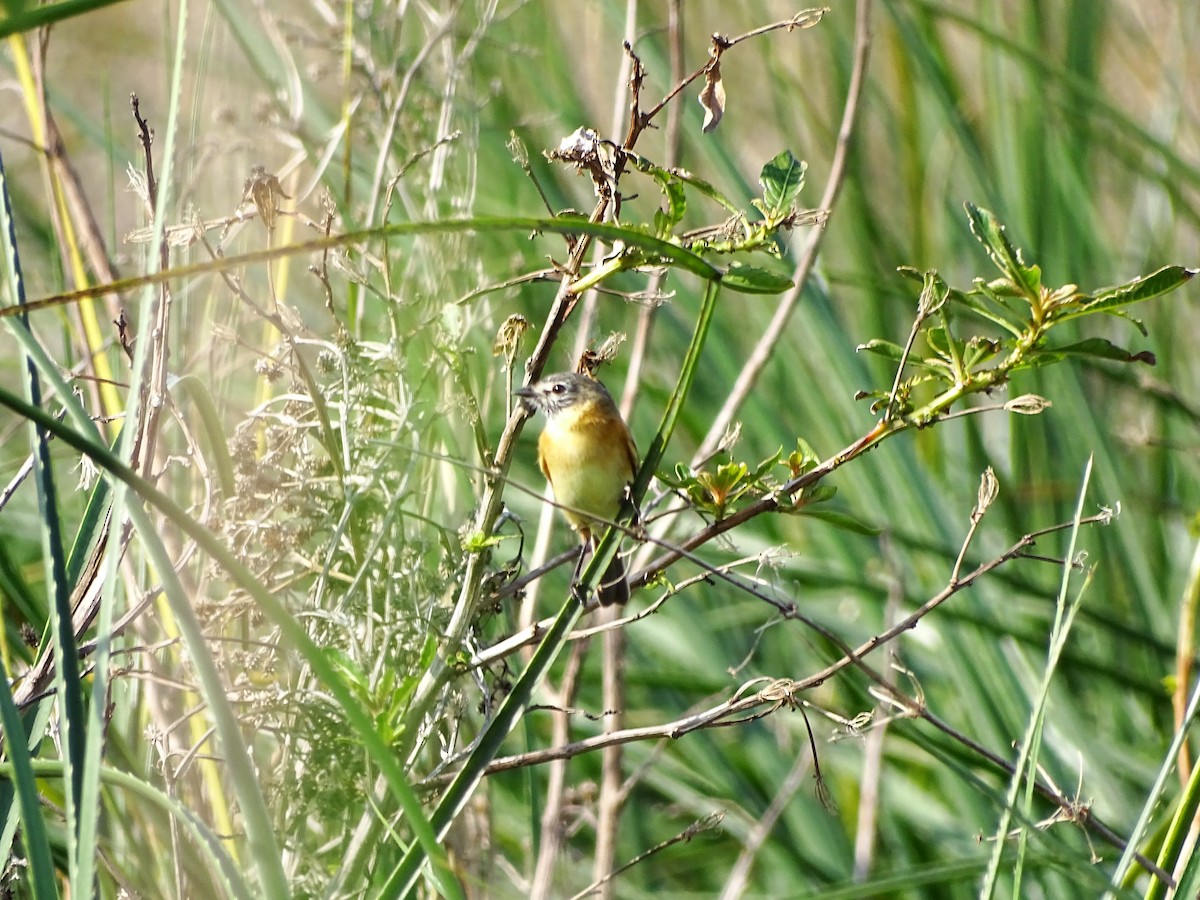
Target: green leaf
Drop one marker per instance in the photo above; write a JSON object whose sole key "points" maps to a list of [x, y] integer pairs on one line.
{"points": [[1136, 323], [662, 224], [754, 280], [840, 520], [717, 490], [980, 348], [665, 220], [880, 347], [895, 353], [1165, 280], [939, 341], [767, 464], [782, 179], [803, 458], [676, 200], [821, 493], [477, 541], [680, 476], [988, 304], [987, 228], [706, 189], [1093, 348], [726, 477], [999, 289]]}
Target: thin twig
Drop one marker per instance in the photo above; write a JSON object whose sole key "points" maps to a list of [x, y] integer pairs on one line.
{"points": [[709, 822]]}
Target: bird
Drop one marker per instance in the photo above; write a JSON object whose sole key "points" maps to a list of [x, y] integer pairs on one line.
{"points": [[588, 455]]}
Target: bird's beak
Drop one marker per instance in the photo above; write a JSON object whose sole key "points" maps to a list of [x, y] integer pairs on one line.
{"points": [[528, 397]]}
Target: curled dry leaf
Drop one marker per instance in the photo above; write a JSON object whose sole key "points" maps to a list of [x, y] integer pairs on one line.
{"points": [[585, 149], [509, 336], [577, 147], [263, 189], [592, 359], [989, 489], [712, 97], [1027, 404]]}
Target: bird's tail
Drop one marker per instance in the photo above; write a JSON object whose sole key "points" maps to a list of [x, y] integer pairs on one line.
{"points": [[614, 587]]}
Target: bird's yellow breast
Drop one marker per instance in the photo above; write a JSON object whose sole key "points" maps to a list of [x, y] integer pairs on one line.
{"points": [[587, 457]]}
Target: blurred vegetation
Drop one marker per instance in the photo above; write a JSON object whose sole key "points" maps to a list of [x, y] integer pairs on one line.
{"points": [[273, 540]]}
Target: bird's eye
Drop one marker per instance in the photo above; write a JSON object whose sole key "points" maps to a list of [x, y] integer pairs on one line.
{"points": [[559, 388]]}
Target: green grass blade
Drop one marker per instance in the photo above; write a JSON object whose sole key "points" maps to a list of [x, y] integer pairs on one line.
{"points": [[42, 881], [22, 16], [67, 680]]}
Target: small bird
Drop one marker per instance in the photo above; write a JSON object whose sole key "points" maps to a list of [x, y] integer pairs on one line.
{"points": [[587, 454]]}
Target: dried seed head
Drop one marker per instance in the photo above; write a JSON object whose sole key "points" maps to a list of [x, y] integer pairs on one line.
{"points": [[1027, 404]]}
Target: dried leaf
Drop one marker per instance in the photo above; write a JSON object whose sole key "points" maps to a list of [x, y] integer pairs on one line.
{"points": [[263, 189], [712, 97], [585, 149], [509, 335], [1027, 405], [577, 147], [989, 489], [592, 359]]}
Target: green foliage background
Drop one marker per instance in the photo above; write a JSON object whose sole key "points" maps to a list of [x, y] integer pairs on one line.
{"points": [[347, 486]]}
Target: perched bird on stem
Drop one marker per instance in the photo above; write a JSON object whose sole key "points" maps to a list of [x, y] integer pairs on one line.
{"points": [[587, 454]]}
